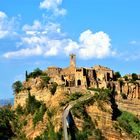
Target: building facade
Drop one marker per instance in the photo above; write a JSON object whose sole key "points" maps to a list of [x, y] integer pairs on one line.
{"points": [[74, 76]]}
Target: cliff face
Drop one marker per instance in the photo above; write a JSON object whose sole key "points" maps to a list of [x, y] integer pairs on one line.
{"points": [[130, 89], [100, 113], [97, 119], [36, 88], [103, 121]]}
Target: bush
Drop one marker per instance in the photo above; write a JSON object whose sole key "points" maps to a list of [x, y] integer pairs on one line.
{"points": [[134, 77], [49, 133], [10, 127], [126, 78], [71, 97], [117, 75], [75, 96], [53, 88], [123, 96], [17, 86], [45, 79], [130, 123], [37, 72], [32, 104], [103, 95], [38, 116], [19, 110]]}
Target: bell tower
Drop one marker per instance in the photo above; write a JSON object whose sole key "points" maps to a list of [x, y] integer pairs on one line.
{"points": [[72, 60]]}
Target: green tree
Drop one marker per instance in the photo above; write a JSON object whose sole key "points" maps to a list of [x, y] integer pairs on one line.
{"points": [[10, 126], [37, 72], [6, 116], [17, 86], [126, 78], [26, 75], [134, 76], [45, 79], [117, 75]]}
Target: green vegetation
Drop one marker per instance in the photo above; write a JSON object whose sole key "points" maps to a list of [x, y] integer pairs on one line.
{"points": [[71, 97], [38, 115], [117, 75], [36, 108], [53, 88], [19, 110], [10, 127], [37, 72], [26, 75], [125, 77], [49, 133], [32, 104], [75, 96], [134, 77], [123, 95], [89, 129], [129, 123], [103, 95], [45, 79], [17, 87]]}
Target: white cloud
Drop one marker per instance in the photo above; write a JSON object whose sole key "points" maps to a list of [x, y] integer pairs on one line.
{"points": [[47, 39], [71, 47], [7, 25], [89, 46], [38, 29], [94, 45], [54, 6], [24, 52]]}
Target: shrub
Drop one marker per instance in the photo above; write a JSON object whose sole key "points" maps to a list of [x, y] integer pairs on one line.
{"points": [[19, 110], [71, 97], [134, 76], [37, 72], [130, 123], [45, 79], [17, 86], [10, 127], [75, 96], [117, 75], [103, 94], [32, 104], [38, 116], [53, 88], [126, 78], [24, 122], [123, 96]]}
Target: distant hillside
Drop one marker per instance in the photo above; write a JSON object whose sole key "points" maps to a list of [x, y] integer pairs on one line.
{"points": [[6, 101]]}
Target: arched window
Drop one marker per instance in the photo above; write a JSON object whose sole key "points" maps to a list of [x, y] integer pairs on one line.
{"points": [[78, 82]]}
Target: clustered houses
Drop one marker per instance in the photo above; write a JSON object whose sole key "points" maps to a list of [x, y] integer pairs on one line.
{"points": [[72, 76], [80, 78], [94, 77]]}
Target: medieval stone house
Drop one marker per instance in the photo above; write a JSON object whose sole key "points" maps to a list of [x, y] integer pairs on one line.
{"points": [[74, 76]]}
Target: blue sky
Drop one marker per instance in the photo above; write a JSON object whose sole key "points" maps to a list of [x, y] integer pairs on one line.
{"points": [[40, 33]]}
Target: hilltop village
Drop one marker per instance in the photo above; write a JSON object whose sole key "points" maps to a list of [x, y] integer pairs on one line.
{"points": [[75, 78], [96, 98]]}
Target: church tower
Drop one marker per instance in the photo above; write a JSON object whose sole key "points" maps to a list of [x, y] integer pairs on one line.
{"points": [[72, 60]]}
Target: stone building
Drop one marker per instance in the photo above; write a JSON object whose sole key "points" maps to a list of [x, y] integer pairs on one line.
{"points": [[74, 76]]}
